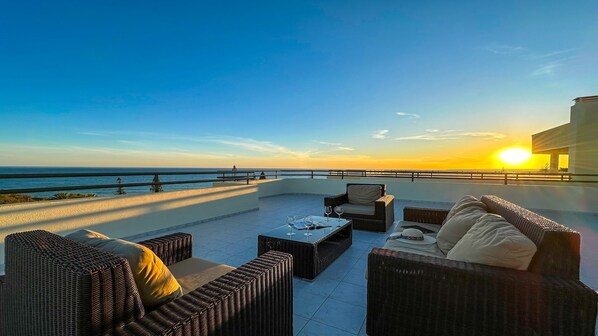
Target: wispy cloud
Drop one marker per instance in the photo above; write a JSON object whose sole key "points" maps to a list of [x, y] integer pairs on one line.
{"points": [[341, 148], [442, 135], [504, 49], [329, 143], [547, 69], [409, 115], [257, 146], [380, 134], [551, 54]]}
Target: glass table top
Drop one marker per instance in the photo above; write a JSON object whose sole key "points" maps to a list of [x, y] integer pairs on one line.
{"points": [[315, 236]]}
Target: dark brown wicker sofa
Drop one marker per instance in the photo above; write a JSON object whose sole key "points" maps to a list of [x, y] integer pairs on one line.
{"points": [[410, 294], [382, 213], [56, 286]]}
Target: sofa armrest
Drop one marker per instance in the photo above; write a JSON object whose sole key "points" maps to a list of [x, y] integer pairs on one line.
{"points": [[336, 200], [385, 209], [411, 294], [424, 215], [171, 248], [254, 299], [57, 286], [2, 302]]}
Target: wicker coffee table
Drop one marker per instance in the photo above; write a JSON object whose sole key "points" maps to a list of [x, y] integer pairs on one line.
{"points": [[312, 254]]}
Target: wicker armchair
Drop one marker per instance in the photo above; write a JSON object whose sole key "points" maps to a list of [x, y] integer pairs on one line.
{"points": [[410, 294], [380, 220], [56, 286]]}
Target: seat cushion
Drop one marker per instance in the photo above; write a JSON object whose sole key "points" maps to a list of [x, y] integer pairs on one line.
{"points": [[457, 226], [358, 209], [494, 241], [363, 194], [463, 203], [155, 283], [195, 272], [400, 245]]}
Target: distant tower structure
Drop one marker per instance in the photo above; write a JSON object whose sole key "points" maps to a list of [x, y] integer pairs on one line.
{"points": [[578, 138]]}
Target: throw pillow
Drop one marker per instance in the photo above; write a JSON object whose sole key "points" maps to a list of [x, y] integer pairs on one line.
{"points": [[457, 226], [155, 283], [363, 194], [463, 203], [494, 241]]}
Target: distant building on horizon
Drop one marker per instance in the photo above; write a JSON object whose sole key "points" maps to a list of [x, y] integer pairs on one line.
{"points": [[578, 138]]}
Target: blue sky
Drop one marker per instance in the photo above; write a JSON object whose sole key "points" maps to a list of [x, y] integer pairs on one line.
{"points": [[288, 84]]}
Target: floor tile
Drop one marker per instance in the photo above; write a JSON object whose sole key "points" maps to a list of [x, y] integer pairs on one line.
{"points": [[341, 315], [313, 328], [298, 324], [306, 304], [350, 293]]}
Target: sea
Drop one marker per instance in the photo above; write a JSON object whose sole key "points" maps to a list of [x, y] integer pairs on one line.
{"points": [[21, 183]]}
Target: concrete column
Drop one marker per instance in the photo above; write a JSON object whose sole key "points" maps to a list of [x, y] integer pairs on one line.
{"points": [[554, 163]]}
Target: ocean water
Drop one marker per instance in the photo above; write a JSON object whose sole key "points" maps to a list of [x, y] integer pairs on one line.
{"points": [[74, 181], [22, 183]]}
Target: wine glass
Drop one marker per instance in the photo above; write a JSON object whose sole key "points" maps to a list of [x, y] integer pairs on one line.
{"points": [[290, 223], [339, 211], [308, 224], [327, 211]]}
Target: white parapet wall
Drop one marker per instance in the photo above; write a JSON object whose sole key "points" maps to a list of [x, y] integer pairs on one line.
{"points": [[133, 215], [127, 215], [559, 197]]}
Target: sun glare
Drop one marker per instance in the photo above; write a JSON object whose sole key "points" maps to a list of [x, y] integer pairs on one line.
{"points": [[514, 156]]}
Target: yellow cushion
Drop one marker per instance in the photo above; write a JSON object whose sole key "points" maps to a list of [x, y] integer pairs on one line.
{"points": [[155, 283], [195, 272]]}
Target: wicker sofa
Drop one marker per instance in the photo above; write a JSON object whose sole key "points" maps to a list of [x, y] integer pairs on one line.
{"points": [[56, 286], [410, 294], [379, 218]]}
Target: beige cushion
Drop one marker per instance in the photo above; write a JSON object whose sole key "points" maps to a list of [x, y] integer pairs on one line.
{"points": [[494, 241], [363, 194], [195, 272], [457, 226], [358, 209], [463, 203], [155, 283]]}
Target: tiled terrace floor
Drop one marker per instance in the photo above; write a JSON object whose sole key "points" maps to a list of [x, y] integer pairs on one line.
{"points": [[335, 302]]}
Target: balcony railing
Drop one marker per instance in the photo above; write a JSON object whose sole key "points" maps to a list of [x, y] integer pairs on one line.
{"points": [[249, 175]]}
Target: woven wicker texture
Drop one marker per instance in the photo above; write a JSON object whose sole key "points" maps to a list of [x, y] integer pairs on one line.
{"points": [[56, 286], [411, 294], [382, 219], [171, 248], [255, 299], [309, 259], [558, 246]]}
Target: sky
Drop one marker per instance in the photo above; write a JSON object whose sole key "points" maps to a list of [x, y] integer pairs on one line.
{"points": [[285, 84]]}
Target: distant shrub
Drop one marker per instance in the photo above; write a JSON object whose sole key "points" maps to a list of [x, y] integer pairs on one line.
{"points": [[14, 198], [71, 195]]}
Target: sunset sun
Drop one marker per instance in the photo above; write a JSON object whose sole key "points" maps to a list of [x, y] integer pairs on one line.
{"points": [[514, 156]]}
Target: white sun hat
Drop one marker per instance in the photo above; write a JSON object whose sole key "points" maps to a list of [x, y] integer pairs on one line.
{"points": [[413, 236]]}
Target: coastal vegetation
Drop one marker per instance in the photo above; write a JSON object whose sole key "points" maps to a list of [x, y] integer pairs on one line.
{"points": [[21, 198]]}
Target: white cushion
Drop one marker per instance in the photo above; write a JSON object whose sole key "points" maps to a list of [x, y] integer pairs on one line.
{"points": [[363, 194], [463, 203], [457, 226], [358, 209], [494, 241]]}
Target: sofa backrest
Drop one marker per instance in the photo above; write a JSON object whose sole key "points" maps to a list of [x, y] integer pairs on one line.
{"points": [[363, 193], [56, 286], [558, 251]]}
